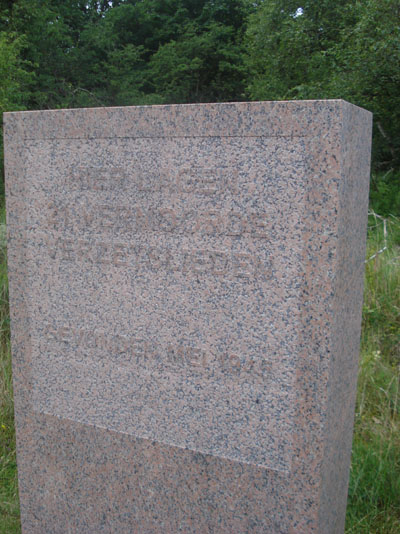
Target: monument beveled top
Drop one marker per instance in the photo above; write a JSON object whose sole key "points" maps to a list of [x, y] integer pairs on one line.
{"points": [[189, 278]]}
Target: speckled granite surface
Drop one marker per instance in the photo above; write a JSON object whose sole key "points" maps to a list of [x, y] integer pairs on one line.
{"points": [[186, 287]]}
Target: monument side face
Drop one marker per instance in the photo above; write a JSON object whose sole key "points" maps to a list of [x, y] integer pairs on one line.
{"points": [[186, 286]]}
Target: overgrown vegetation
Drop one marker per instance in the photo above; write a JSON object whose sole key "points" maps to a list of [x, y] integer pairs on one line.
{"points": [[385, 193], [322, 49], [374, 493], [9, 511]]}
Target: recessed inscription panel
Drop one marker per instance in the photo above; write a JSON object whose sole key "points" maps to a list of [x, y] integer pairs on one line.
{"points": [[169, 289]]}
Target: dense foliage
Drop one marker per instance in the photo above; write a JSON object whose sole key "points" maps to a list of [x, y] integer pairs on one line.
{"points": [[74, 53], [129, 52], [342, 49]]}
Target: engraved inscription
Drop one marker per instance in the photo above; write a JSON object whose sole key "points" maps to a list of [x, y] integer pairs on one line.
{"points": [[126, 350], [196, 261], [169, 289], [205, 180], [96, 178], [124, 219], [189, 180]]}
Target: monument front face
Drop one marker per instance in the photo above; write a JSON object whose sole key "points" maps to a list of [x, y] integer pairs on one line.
{"points": [[186, 287]]}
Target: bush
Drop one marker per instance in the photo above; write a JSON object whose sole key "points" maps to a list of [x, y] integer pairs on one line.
{"points": [[385, 193]]}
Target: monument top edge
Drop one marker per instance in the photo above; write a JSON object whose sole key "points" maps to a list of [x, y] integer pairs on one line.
{"points": [[291, 118], [188, 106]]}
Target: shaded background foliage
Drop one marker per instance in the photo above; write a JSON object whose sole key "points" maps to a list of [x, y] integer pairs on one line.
{"points": [[83, 53], [343, 49], [74, 53]]}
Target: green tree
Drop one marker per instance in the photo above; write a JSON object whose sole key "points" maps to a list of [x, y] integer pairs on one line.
{"points": [[95, 52], [200, 67], [323, 49], [13, 74], [289, 46], [169, 51], [368, 73], [13, 80], [52, 32]]}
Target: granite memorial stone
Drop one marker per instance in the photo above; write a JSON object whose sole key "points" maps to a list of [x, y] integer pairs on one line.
{"points": [[186, 287]]}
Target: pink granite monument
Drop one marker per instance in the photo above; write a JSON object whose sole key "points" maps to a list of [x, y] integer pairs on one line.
{"points": [[186, 288]]}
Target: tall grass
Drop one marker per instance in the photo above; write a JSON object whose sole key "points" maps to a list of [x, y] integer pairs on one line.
{"points": [[374, 492], [9, 510]]}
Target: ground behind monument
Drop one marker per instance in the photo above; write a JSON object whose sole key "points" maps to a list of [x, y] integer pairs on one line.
{"points": [[374, 493]]}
